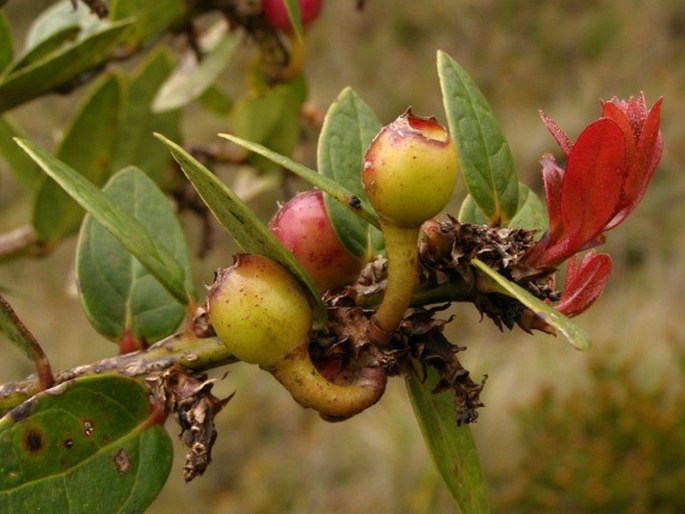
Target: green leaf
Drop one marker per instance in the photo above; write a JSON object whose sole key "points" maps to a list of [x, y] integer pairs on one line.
{"points": [[470, 213], [56, 18], [242, 223], [348, 129], [216, 101], [451, 447], [87, 146], [6, 43], [152, 19], [326, 184], [530, 214], [118, 295], [45, 47], [23, 168], [577, 337], [86, 446], [60, 67], [293, 9], [118, 220], [271, 116], [135, 144], [192, 78], [484, 155]]}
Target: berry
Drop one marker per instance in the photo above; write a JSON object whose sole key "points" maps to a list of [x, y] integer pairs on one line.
{"points": [[410, 170], [258, 310], [302, 225], [277, 15]]}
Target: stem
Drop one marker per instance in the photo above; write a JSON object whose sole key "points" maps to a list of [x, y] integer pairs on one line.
{"points": [[334, 401], [453, 291], [197, 354], [25, 341], [401, 250]]}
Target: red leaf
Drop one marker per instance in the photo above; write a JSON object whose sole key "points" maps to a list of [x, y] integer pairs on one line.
{"points": [[558, 134], [642, 157], [592, 182], [552, 177], [585, 282]]}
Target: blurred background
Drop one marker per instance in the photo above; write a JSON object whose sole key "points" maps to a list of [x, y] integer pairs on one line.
{"points": [[562, 431]]}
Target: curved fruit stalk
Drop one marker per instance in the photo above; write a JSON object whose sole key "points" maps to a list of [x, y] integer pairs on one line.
{"points": [[261, 314], [302, 225], [409, 173]]}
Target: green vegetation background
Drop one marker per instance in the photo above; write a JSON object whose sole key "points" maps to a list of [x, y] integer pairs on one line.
{"points": [[562, 431]]}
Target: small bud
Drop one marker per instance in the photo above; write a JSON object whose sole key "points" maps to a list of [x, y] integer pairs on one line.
{"points": [[258, 310], [302, 225], [410, 170]]}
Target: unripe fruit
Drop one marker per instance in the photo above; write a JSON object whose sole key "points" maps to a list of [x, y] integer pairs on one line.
{"points": [[277, 15], [410, 170], [302, 225], [258, 310], [409, 173]]}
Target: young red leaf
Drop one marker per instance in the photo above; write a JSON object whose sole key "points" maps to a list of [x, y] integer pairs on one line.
{"points": [[644, 146], [585, 282], [558, 134], [591, 188]]}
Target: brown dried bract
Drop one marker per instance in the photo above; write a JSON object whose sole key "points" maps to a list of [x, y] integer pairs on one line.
{"points": [[195, 407], [425, 343]]}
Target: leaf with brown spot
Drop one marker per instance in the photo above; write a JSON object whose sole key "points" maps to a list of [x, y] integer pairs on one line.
{"points": [[90, 448]]}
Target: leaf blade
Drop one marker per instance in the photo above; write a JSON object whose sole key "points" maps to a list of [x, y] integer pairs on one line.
{"points": [[118, 296], [327, 185], [452, 447], [484, 155], [348, 129], [135, 145], [86, 146], [189, 81], [119, 222], [577, 337], [85, 447], [241, 222], [59, 67]]}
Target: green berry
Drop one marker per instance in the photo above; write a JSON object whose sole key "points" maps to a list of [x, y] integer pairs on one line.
{"points": [[258, 310], [410, 170]]}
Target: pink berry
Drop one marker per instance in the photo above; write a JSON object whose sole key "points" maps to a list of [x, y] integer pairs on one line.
{"points": [[277, 15], [303, 227]]}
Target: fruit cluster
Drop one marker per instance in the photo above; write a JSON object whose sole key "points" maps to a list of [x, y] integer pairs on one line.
{"points": [[261, 313]]}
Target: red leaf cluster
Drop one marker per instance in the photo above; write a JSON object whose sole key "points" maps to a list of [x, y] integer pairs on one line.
{"points": [[607, 172]]}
